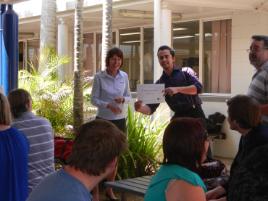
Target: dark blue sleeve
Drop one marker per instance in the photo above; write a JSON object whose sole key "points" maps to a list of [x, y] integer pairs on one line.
{"points": [[193, 81]]}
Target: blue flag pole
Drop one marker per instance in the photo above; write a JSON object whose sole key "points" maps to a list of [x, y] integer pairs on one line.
{"points": [[10, 35], [3, 56]]}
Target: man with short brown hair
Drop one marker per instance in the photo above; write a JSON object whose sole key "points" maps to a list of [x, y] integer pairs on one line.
{"points": [[94, 156], [181, 89]]}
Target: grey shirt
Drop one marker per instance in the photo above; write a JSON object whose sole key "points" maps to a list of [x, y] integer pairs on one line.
{"points": [[258, 88], [41, 140]]}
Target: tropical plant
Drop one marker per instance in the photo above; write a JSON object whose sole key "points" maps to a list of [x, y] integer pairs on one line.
{"points": [[144, 147], [52, 98]]}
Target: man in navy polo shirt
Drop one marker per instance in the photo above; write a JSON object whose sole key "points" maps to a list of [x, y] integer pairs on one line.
{"points": [[181, 89]]}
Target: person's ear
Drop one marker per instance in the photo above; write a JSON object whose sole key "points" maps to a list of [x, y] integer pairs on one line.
{"points": [[112, 164], [29, 105]]}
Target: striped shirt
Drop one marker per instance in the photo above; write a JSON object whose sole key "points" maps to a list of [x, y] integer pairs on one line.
{"points": [[258, 88], [41, 155]]}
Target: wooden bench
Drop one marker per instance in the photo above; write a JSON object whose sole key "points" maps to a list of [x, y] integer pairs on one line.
{"points": [[136, 186]]}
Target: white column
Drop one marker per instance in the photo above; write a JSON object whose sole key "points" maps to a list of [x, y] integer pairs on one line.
{"points": [[141, 56], [157, 37], [166, 20], [117, 38], [63, 48], [94, 52], [201, 50], [162, 32]]}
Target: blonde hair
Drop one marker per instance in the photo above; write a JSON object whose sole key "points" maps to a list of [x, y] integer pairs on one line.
{"points": [[5, 115]]}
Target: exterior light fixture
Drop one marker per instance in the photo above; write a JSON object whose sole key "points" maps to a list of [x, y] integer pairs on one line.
{"points": [[143, 14], [179, 29], [182, 37], [129, 34]]}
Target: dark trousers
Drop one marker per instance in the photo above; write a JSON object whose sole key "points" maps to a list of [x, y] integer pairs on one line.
{"points": [[196, 112], [119, 123]]}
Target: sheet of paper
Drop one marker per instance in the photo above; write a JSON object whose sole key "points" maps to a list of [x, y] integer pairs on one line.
{"points": [[151, 93]]}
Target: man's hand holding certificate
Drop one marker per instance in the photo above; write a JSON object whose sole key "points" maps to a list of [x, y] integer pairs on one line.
{"points": [[151, 93]]}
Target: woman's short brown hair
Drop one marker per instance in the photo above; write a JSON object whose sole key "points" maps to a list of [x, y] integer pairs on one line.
{"points": [[244, 110], [5, 115], [184, 142], [97, 143], [114, 51]]}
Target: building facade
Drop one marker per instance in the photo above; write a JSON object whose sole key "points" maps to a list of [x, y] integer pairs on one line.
{"points": [[211, 36]]}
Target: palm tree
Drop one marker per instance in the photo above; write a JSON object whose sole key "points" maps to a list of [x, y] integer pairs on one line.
{"points": [[78, 55], [107, 33], [48, 27]]}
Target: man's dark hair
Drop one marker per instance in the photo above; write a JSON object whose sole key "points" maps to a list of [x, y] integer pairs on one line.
{"points": [[183, 142], [261, 38], [165, 47], [19, 100], [245, 111], [114, 51], [97, 143]]}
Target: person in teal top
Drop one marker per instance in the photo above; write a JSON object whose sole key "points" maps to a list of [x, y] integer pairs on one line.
{"points": [[185, 147]]}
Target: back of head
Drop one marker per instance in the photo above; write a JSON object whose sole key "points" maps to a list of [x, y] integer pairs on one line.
{"points": [[5, 115], [183, 142], [19, 100], [244, 110], [165, 47], [97, 143]]}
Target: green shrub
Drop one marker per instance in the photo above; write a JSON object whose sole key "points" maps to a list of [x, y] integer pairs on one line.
{"points": [[52, 98], [144, 146]]}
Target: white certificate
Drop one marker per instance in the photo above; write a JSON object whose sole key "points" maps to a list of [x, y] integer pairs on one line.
{"points": [[151, 93]]}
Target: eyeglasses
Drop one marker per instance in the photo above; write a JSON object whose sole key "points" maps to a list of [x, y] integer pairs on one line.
{"points": [[256, 49]]}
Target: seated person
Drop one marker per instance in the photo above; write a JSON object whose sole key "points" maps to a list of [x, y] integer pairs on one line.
{"points": [[94, 156], [248, 176], [39, 133], [14, 150], [185, 147]]}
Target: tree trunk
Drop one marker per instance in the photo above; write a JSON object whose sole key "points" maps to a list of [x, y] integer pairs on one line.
{"points": [[48, 28], [107, 33], [78, 55]]}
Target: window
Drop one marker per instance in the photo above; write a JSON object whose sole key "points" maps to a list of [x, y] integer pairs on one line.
{"points": [[186, 44], [33, 53], [88, 54], [98, 49], [129, 41], [216, 40], [217, 56], [148, 58]]}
